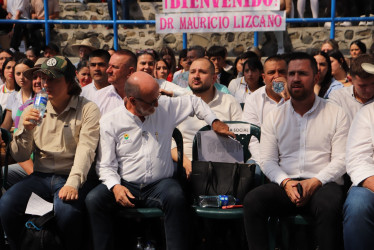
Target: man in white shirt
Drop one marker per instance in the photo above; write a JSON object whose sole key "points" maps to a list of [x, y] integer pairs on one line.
{"points": [[302, 142], [134, 161], [201, 82], [262, 101], [121, 65], [98, 65], [194, 53], [361, 93], [358, 208]]}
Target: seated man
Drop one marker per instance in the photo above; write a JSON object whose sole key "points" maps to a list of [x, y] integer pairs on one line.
{"points": [[261, 102], [302, 142], [201, 81], [121, 65], [193, 53], [360, 93], [64, 147], [98, 65], [134, 161], [358, 208]]}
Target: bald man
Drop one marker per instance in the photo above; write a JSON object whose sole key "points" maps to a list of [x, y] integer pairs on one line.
{"points": [[134, 161]]}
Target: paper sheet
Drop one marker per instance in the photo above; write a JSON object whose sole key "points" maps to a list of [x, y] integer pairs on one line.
{"points": [[38, 206], [212, 147]]}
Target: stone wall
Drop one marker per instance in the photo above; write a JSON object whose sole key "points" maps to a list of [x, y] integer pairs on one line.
{"points": [[144, 36]]}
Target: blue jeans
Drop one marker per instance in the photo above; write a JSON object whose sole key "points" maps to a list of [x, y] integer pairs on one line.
{"points": [[165, 194], [124, 7], [69, 215], [358, 227]]}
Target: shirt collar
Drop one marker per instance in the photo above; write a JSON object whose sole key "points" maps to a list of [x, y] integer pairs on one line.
{"points": [[317, 101], [71, 104]]}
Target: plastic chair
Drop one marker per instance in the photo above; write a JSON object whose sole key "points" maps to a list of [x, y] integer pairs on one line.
{"points": [[179, 174], [244, 139]]}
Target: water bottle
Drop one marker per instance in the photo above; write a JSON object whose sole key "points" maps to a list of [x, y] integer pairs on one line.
{"points": [[40, 103], [216, 200], [278, 87]]}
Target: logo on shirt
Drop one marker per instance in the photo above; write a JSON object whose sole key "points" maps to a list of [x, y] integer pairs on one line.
{"points": [[126, 136]]}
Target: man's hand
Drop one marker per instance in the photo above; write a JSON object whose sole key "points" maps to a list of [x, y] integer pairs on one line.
{"points": [[187, 166], [31, 114], [68, 193], [309, 188], [167, 93], [369, 183], [222, 129], [121, 193], [291, 190]]}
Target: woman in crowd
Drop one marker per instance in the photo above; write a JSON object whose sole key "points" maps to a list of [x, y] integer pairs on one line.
{"points": [[357, 48], [339, 67], [168, 55], [326, 82], [239, 61], [328, 45], [249, 82], [146, 60], [183, 65], [8, 87], [23, 92], [32, 53], [83, 73], [161, 69], [18, 171]]}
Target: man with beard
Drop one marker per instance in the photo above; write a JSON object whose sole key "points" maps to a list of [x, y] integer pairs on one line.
{"points": [[302, 143], [98, 65], [201, 81], [134, 161], [194, 53], [361, 93], [121, 65]]}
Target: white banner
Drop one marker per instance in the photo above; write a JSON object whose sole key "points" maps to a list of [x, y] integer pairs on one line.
{"points": [[196, 6], [221, 22]]}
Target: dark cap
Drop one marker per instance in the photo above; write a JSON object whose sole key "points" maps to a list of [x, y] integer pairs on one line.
{"points": [[56, 67], [52, 46]]}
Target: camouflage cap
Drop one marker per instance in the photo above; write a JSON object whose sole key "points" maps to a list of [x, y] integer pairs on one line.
{"points": [[56, 67]]}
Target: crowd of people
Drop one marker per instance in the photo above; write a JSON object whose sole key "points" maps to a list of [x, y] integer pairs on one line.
{"points": [[105, 141]]}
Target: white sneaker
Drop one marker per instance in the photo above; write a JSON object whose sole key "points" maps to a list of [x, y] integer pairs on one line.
{"points": [[362, 23], [346, 24], [370, 22], [327, 25]]}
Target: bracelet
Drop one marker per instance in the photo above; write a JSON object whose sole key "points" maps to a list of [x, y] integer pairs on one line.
{"points": [[285, 183]]}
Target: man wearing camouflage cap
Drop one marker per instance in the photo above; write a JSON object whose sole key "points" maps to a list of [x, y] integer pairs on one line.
{"points": [[64, 147]]}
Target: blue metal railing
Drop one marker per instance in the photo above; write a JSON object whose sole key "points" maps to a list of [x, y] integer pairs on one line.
{"points": [[47, 22]]}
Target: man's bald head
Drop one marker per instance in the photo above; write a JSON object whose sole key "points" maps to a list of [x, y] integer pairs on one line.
{"points": [[141, 84]]}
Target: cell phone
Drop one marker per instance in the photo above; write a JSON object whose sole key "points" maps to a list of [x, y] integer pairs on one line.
{"points": [[300, 189], [278, 87]]}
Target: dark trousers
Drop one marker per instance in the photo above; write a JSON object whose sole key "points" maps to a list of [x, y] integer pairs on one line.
{"points": [[271, 200], [20, 30], [69, 215], [165, 194]]}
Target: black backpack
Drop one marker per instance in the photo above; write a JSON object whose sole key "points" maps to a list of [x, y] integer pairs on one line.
{"points": [[40, 233]]}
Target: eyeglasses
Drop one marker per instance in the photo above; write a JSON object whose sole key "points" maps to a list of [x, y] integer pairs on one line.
{"points": [[149, 103]]}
